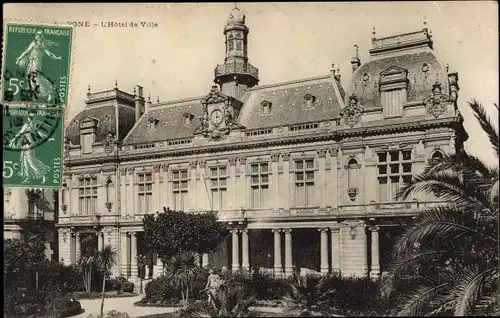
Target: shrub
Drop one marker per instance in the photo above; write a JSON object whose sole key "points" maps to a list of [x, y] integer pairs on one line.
{"points": [[354, 296], [266, 287], [128, 287], [159, 289]]}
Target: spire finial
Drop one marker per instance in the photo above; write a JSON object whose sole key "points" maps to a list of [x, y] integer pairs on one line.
{"points": [[447, 67], [235, 6], [333, 65], [116, 83], [374, 33], [134, 90], [149, 97], [425, 22], [88, 90], [356, 47], [158, 99]]}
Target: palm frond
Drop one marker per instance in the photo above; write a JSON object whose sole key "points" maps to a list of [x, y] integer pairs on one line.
{"points": [[486, 124], [440, 223], [469, 289], [419, 302], [451, 187]]}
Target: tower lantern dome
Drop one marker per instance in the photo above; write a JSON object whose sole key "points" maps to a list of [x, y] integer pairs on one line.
{"points": [[236, 75], [236, 17]]}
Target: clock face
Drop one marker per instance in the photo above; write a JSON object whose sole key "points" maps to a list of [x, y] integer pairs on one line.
{"points": [[216, 117]]}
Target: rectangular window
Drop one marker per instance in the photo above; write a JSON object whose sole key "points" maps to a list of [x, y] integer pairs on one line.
{"points": [[180, 189], [145, 192], [87, 141], [87, 196], [218, 187], [260, 185], [304, 182], [392, 101], [394, 170]]}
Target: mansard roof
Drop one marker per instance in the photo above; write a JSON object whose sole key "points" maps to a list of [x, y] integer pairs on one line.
{"points": [[106, 122], [288, 103], [424, 69], [288, 107], [170, 122]]}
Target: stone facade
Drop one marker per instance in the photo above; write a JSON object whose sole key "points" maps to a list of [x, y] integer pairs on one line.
{"points": [[306, 155], [23, 207]]}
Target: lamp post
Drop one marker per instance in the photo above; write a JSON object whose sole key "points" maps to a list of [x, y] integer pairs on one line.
{"points": [[141, 261]]}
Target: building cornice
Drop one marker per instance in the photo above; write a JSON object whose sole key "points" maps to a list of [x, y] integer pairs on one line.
{"points": [[337, 136]]}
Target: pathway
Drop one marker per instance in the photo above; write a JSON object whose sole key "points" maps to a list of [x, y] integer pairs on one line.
{"points": [[124, 304]]}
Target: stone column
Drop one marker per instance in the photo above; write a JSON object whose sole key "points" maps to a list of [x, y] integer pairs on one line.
{"points": [[236, 251], [204, 260], [100, 241], [335, 242], [78, 247], [375, 268], [124, 254], [324, 250], [158, 268], [278, 270], [146, 271], [134, 270], [245, 262], [288, 252]]}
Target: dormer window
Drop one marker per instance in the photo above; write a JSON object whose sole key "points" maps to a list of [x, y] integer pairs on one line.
{"points": [[187, 118], [265, 107], [153, 122], [309, 99], [393, 90], [88, 128]]}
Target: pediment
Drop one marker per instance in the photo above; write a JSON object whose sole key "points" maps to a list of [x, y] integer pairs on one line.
{"points": [[215, 97], [89, 122], [393, 70]]}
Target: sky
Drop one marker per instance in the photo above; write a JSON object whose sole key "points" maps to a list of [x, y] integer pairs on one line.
{"points": [[287, 41]]}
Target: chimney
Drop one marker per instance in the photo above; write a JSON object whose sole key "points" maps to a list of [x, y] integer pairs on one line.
{"points": [[139, 102], [337, 76], [148, 104], [355, 62]]}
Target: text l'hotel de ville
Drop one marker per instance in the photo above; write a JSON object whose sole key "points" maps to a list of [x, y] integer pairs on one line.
{"points": [[115, 24]]}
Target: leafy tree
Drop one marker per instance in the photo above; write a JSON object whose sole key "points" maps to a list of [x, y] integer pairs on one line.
{"points": [[171, 232], [106, 259], [451, 251]]}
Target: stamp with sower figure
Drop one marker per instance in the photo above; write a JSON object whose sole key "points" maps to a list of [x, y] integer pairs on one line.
{"points": [[36, 64], [33, 147]]}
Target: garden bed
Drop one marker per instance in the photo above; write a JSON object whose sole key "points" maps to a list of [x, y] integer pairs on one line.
{"points": [[108, 294]]}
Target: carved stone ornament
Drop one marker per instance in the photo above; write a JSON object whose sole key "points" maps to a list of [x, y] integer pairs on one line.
{"points": [[67, 147], [351, 114], [109, 144], [109, 205], [64, 208], [437, 103], [352, 192]]}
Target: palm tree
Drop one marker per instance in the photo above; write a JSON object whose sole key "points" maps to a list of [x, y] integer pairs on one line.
{"points": [[88, 261], [106, 259], [233, 301], [182, 270], [308, 294], [451, 251]]}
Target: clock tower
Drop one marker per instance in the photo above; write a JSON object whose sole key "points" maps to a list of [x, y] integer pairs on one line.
{"points": [[218, 115], [236, 75]]}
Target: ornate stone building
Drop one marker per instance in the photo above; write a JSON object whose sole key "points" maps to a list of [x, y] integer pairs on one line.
{"points": [[304, 173], [26, 207]]}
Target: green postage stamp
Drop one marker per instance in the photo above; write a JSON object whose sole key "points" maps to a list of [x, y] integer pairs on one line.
{"points": [[36, 64], [32, 147]]}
